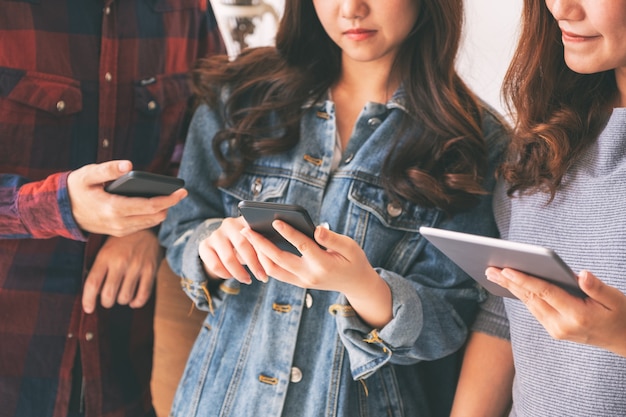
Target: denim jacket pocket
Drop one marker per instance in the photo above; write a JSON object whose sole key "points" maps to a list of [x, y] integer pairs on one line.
{"points": [[375, 218], [393, 214], [254, 186]]}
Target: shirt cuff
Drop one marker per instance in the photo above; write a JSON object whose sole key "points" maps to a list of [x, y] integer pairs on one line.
{"points": [[45, 209]]}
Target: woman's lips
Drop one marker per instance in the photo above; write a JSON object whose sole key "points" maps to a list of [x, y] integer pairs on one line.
{"points": [[359, 34], [574, 37]]}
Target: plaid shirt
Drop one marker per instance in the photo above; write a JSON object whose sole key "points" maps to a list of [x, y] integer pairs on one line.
{"points": [[81, 81]]}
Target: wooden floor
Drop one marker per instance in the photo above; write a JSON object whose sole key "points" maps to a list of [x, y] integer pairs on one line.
{"points": [[175, 327]]}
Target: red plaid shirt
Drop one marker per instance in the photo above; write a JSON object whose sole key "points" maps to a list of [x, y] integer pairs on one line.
{"points": [[81, 81]]}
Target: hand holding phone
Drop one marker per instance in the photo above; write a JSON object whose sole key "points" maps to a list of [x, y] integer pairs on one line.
{"points": [[144, 184], [96, 211], [260, 216]]}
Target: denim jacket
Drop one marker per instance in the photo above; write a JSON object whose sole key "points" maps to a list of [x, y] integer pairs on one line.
{"points": [[273, 349]]}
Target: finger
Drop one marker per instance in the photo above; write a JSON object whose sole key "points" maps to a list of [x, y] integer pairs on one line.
{"points": [[110, 289], [164, 202], [123, 226], [220, 260], [534, 292], [263, 246], [278, 272], [607, 296], [128, 286], [142, 206], [248, 256], [304, 244], [105, 171], [92, 286], [144, 290], [333, 241]]}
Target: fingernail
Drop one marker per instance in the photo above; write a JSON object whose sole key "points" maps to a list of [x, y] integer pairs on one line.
{"points": [[492, 276], [124, 166]]}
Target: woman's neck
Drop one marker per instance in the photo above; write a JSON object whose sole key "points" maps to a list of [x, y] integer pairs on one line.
{"points": [[366, 82]]}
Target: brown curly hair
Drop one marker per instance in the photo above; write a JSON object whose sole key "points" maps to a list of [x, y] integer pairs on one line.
{"points": [[442, 167], [557, 112]]}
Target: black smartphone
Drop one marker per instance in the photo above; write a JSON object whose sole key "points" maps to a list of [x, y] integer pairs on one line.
{"points": [[144, 184], [260, 215]]}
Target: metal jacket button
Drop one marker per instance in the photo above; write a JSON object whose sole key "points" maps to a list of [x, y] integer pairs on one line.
{"points": [[394, 209], [374, 122], [296, 375]]}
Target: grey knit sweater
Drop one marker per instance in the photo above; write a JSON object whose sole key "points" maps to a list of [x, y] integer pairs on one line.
{"points": [[586, 225]]}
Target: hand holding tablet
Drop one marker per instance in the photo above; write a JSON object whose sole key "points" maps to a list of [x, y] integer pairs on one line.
{"points": [[474, 254]]}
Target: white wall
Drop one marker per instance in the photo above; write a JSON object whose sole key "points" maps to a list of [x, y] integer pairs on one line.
{"points": [[491, 30], [265, 24], [490, 36]]}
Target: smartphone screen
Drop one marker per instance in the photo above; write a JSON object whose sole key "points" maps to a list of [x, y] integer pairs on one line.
{"points": [[260, 216]]}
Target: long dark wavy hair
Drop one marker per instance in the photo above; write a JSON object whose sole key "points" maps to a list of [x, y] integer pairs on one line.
{"points": [[558, 113], [442, 167]]}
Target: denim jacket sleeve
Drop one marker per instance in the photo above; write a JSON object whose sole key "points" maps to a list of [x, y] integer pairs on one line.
{"points": [[433, 307], [199, 214], [435, 302]]}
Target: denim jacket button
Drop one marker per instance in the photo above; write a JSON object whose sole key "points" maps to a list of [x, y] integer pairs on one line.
{"points": [[257, 186], [348, 158], [374, 122], [394, 209], [296, 375], [308, 300]]}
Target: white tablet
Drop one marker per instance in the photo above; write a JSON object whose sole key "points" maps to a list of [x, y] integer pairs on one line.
{"points": [[474, 254]]}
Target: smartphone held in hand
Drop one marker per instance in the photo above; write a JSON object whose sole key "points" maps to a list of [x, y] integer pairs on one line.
{"points": [[260, 215], [144, 184]]}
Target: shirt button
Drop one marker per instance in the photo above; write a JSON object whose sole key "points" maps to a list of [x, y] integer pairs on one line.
{"points": [[105, 143], [108, 77], [89, 336], [70, 335], [152, 105], [60, 105], [394, 209], [373, 122], [107, 10], [296, 375], [308, 300]]}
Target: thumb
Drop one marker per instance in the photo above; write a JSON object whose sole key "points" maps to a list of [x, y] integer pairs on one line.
{"points": [[106, 171], [598, 291], [329, 239]]}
